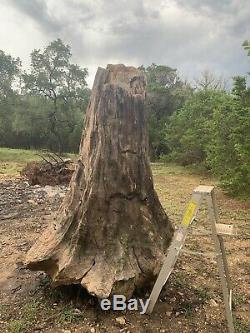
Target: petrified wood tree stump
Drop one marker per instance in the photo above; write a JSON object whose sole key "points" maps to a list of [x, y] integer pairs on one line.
{"points": [[111, 232]]}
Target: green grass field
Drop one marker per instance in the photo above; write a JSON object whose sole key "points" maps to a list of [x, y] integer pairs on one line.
{"points": [[12, 161]]}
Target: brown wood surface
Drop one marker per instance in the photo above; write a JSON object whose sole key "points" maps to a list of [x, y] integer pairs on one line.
{"points": [[111, 232]]}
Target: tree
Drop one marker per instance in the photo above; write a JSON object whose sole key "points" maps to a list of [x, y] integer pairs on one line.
{"points": [[30, 123], [209, 81], [228, 150], [111, 232], [246, 45], [160, 75], [189, 129], [9, 74], [239, 86], [61, 83], [166, 93]]}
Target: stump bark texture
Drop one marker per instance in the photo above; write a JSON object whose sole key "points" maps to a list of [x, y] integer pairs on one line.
{"points": [[111, 232]]}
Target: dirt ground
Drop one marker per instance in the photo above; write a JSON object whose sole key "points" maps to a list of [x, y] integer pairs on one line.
{"points": [[190, 302]]}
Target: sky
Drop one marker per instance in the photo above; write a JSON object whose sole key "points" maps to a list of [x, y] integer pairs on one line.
{"points": [[190, 35]]}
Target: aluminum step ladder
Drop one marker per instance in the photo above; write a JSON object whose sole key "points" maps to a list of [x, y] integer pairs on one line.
{"points": [[217, 231]]}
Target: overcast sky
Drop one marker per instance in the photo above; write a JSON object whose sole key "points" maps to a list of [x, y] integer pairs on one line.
{"points": [[190, 35]]}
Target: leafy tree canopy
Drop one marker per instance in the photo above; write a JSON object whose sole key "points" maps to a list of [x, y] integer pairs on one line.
{"points": [[9, 71]]}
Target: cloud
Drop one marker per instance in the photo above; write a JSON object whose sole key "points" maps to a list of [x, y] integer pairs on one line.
{"points": [[38, 11], [191, 35]]}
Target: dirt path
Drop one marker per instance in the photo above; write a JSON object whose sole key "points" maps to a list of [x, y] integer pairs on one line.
{"points": [[191, 301]]}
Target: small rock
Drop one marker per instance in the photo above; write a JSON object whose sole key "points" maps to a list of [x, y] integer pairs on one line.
{"points": [[121, 320], [168, 313], [213, 303], [32, 202], [92, 330]]}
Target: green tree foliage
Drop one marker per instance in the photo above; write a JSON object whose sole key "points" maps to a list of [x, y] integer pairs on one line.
{"points": [[213, 130], [63, 88], [9, 72], [166, 93], [9, 77], [45, 107], [239, 86], [229, 151], [240, 90], [229, 146], [189, 129], [246, 45]]}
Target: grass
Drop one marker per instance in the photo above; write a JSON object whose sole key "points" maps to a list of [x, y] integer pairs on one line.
{"points": [[31, 310], [28, 317], [203, 295], [69, 315], [17, 326], [241, 326], [34, 312], [12, 161], [188, 309], [162, 168]]}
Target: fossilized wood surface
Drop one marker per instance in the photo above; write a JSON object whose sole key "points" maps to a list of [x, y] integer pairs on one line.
{"points": [[111, 232]]}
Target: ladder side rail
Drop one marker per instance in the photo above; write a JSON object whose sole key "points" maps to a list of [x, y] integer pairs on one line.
{"points": [[174, 250], [219, 258], [222, 248], [229, 283], [223, 251]]}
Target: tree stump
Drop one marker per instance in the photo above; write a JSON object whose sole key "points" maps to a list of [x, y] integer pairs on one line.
{"points": [[111, 232]]}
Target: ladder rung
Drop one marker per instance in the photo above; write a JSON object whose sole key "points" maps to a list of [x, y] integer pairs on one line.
{"points": [[224, 229], [221, 229], [204, 189]]}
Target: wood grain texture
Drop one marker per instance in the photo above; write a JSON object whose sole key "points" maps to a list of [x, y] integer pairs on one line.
{"points": [[111, 232]]}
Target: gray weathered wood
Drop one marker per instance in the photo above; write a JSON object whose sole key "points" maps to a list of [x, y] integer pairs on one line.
{"points": [[111, 232]]}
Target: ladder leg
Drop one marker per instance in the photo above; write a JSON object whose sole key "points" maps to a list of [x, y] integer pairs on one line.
{"points": [[220, 262], [223, 251], [174, 250], [163, 276], [224, 258]]}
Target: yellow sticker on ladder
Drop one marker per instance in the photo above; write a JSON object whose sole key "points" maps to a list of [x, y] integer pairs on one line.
{"points": [[190, 210]]}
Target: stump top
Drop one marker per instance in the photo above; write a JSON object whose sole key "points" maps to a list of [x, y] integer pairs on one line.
{"points": [[126, 77]]}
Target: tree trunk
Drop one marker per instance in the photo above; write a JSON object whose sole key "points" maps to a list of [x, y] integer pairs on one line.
{"points": [[111, 232]]}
